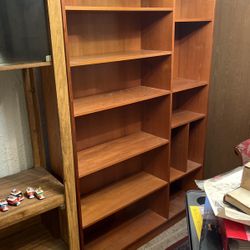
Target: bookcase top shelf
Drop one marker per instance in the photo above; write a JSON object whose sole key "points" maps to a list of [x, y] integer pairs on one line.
{"points": [[119, 9], [36, 177], [115, 197], [116, 57]]}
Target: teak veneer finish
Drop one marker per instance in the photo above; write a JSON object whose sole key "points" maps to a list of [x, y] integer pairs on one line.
{"points": [[138, 78]]}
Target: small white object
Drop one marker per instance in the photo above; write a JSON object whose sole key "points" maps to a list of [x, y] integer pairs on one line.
{"points": [[48, 58]]}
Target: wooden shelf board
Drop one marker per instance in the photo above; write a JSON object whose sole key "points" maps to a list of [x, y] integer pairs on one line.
{"points": [[175, 174], [120, 9], [115, 197], [116, 57], [129, 232], [193, 166], [192, 20], [101, 102], [107, 154], [22, 65], [177, 204], [186, 84], [53, 190], [182, 117], [35, 237]]}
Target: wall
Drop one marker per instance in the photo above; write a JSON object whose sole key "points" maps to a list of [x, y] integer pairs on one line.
{"points": [[15, 144], [229, 110]]}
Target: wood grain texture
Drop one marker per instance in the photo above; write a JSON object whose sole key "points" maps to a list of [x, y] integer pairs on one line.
{"points": [[22, 65], [129, 232], [34, 117], [53, 191], [120, 9], [186, 84], [115, 57], [229, 115], [109, 200], [61, 85], [34, 237], [177, 204], [182, 117], [96, 103], [104, 155]]}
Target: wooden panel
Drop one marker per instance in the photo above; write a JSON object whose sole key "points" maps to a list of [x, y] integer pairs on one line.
{"points": [[115, 123], [53, 191], [179, 148], [195, 8], [194, 100], [193, 20], [62, 104], [193, 46], [192, 166], [175, 174], [129, 232], [120, 9], [98, 205], [116, 57], [122, 3], [22, 65], [229, 114], [182, 117], [186, 84], [92, 104], [177, 204], [34, 237], [102, 156], [93, 79]]}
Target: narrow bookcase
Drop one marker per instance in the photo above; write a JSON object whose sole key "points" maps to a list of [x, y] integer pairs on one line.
{"points": [[138, 78]]}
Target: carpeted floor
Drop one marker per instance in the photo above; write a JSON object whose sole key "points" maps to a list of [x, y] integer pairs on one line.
{"points": [[169, 238]]}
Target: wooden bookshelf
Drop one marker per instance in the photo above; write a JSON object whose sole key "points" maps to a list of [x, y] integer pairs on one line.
{"points": [[110, 8], [37, 177], [138, 78], [116, 57], [129, 232], [98, 205], [18, 64], [119, 98], [35, 236]]}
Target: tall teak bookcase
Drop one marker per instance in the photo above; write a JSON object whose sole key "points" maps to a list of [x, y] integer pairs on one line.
{"points": [[138, 74]]}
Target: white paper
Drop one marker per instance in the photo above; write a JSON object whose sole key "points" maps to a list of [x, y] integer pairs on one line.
{"points": [[217, 187]]}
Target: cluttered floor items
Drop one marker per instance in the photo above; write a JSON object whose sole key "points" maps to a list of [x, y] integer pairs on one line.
{"points": [[219, 215], [16, 197]]}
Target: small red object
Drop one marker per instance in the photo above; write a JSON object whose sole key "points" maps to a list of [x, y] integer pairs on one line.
{"points": [[4, 205], [17, 193], [13, 200], [30, 192]]}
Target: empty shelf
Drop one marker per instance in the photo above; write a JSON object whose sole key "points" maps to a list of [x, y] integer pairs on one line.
{"points": [[182, 117], [119, 9], [175, 174], [107, 154], [192, 166], [177, 204], [192, 20], [35, 237], [15, 65], [116, 57], [129, 232], [37, 177], [96, 103], [113, 198], [185, 84]]}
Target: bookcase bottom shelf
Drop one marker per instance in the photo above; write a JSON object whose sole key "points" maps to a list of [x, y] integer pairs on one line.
{"points": [[129, 232], [177, 204], [35, 237]]}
